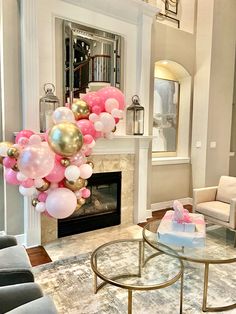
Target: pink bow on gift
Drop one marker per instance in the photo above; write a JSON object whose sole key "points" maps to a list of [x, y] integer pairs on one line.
{"points": [[181, 214]]}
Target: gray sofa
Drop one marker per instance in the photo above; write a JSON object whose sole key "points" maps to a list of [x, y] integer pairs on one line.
{"points": [[15, 265], [26, 298], [18, 292]]}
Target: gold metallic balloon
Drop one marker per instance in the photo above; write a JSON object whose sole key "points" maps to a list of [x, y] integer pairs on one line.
{"points": [[15, 168], [76, 185], [80, 109], [78, 206], [114, 129], [65, 139], [12, 152], [34, 202], [90, 163], [86, 183], [81, 201], [1, 160], [45, 187], [65, 162], [4, 146]]}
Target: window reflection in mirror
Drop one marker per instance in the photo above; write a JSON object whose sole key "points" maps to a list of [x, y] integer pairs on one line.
{"points": [[165, 116], [90, 56]]}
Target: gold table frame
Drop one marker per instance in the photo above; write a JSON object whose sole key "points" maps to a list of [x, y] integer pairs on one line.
{"points": [[141, 263], [206, 263]]}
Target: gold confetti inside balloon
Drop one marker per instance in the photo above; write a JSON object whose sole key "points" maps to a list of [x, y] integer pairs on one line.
{"points": [[80, 109], [65, 139], [76, 185]]}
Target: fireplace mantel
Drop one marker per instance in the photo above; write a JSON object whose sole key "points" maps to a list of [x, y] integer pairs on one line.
{"points": [[131, 19]]}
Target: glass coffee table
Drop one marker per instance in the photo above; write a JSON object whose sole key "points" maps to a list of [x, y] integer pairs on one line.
{"points": [[119, 263], [218, 249]]}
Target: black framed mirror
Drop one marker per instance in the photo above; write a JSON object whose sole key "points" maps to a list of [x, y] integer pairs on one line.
{"points": [[90, 56]]}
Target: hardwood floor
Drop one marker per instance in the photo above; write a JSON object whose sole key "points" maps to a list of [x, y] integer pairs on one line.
{"points": [[39, 256]]}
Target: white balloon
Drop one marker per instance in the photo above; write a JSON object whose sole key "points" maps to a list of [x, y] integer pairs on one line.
{"points": [[63, 114], [111, 104], [92, 144], [93, 117], [27, 191], [117, 113], [78, 194], [98, 126], [108, 122], [72, 173], [20, 176], [85, 171], [40, 207]]}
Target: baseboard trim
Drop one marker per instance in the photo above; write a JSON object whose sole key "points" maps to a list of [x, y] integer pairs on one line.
{"points": [[168, 204]]}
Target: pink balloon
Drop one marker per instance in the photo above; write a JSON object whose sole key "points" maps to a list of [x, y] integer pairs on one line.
{"points": [[47, 214], [96, 110], [36, 161], [61, 203], [86, 193], [57, 173], [93, 99], [9, 162], [23, 133], [10, 176], [112, 92], [85, 171], [28, 183], [86, 127], [88, 139], [42, 196]]}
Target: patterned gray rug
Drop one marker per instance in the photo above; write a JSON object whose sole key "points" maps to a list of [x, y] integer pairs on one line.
{"points": [[70, 283]]}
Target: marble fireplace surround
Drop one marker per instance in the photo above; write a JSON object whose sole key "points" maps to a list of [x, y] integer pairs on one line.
{"points": [[130, 156]]}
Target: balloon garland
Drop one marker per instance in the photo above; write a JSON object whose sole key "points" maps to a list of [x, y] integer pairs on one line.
{"points": [[52, 167]]}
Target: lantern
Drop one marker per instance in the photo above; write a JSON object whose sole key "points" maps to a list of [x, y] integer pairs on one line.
{"points": [[47, 104], [135, 118]]}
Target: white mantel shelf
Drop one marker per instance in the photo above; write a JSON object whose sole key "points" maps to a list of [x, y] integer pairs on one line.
{"points": [[121, 144]]}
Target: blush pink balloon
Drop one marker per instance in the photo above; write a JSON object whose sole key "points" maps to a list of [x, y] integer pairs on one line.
{"points": [[86, 127], [61, 203], [28, 183], [23, 133], [42, 196], [10, 176], [57, 173], [112, 92], [9, 162], [36, 161], [96, 110], [47, 214]]}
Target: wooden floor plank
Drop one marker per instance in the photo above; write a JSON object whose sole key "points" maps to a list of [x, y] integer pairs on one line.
{"points": [[38, 256]]}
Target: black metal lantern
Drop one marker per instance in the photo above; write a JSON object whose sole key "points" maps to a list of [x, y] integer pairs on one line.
{"points": [[47, 104], [135, 118]]}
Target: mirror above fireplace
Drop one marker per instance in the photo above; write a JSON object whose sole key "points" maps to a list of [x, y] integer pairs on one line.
{"points": [[92, 57]]}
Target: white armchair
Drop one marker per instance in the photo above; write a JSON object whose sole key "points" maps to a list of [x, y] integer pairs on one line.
{"points": [[218, 203]]}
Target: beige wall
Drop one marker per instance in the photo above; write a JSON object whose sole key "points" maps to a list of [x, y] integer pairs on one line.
{"points": [[170, 182]]}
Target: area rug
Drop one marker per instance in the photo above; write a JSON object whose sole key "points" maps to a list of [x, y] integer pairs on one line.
{"points": [[70, 283]]}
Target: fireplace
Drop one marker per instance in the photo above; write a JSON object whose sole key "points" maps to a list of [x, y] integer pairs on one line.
{"points": [[102, 209]]}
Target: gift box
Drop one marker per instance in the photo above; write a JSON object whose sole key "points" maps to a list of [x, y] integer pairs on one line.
{"points": [[172, 233]]}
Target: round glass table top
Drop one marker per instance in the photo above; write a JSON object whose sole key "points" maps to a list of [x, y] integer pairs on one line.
{"points": [[120, 263], [218, 245]]}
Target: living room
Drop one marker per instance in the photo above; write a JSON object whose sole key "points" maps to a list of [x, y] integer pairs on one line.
{"points": [[188, 43]]}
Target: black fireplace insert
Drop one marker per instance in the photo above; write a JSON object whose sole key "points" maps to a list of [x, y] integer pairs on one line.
{"points": [[101, 209]]}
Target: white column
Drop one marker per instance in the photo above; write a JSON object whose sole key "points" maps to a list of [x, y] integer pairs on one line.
{"points": [[30, 101], [141, 179]]}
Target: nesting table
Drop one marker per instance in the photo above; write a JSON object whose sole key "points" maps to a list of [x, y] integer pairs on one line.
{"points": [[120, 263], [218, 249]]}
